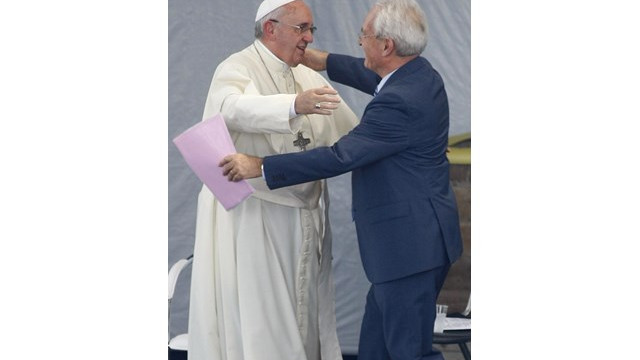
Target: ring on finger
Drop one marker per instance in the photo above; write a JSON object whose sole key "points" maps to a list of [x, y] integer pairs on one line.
{"points": [[317, 106]]}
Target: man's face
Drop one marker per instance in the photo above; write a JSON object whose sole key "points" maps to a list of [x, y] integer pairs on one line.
{"points": [[369, 43], [291, 43]]}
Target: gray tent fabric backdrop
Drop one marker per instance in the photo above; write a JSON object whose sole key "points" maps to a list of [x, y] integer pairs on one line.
{"points": [[202, 33]]}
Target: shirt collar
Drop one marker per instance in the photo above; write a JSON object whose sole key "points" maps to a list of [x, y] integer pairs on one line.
{"points": [[384, 80]]}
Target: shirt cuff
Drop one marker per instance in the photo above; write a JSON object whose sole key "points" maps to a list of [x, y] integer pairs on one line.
{"points": [[262, 169], [292, 109]]}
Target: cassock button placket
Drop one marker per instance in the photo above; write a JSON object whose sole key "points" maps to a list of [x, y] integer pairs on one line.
{"points": [[303, 280]]}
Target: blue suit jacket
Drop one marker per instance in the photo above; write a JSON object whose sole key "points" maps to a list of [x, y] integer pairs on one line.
{"points": [[403, 204]]}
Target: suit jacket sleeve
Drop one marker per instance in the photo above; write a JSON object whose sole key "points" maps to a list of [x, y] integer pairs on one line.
{"points": [[381, 133], [350, 71]]}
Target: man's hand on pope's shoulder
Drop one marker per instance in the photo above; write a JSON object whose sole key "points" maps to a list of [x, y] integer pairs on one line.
{"points": [[315, 59], [238, 167], [317, 101]]}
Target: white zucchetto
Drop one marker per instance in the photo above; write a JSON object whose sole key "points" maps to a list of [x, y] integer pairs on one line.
{"points": [[268, 6]]}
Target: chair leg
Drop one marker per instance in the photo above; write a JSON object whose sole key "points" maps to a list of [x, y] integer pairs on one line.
{"points": [[465, 350]]}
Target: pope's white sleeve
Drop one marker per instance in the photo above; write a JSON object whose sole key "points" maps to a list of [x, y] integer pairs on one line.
{"points": [[234, 94]]}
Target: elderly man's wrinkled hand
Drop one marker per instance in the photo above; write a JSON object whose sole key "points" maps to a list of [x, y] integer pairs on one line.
{"points": [[238, 167], [315, 59]]}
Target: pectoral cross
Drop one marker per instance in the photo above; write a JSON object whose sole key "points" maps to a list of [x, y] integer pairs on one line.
{"points": [[301, 142]]}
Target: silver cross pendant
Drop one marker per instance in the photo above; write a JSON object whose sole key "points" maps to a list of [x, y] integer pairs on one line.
{"points": [[301, 141]]}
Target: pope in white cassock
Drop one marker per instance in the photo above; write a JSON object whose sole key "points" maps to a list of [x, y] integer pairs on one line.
{"points": [[262, 285]]}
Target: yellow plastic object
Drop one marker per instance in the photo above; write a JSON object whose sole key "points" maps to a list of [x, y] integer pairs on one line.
{"points": [[456, 139], [459, 155]]}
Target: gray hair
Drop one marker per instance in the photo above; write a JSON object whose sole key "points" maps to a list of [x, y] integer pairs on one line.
{"points": [[404, 22], [272, 15]]}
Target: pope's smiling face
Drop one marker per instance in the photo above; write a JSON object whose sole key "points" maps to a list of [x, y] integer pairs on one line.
{"points": [[288, 42]]}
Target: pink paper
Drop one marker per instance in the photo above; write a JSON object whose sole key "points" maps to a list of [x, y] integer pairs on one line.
{"points": [[203, 146]]}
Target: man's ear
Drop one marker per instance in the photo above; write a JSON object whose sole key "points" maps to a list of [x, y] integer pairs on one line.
{"points": [[389, 47]]}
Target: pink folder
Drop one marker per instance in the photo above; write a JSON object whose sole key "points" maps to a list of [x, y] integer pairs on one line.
{"points": [[203, 146]]}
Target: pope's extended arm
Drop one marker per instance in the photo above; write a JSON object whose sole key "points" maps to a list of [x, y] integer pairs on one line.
{"points": [[234, 93], [317, 101], [238, 167]]}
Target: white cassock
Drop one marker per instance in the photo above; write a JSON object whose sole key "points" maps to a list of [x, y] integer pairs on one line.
{"points": [[262, 285]]}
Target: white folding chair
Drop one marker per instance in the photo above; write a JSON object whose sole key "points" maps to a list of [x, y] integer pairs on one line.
{"points": [[460, 337], [178, 344]]}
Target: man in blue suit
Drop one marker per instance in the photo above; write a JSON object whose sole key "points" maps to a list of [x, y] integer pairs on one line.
{"points": [[403, 205]]}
